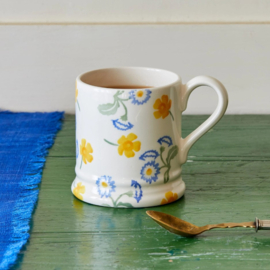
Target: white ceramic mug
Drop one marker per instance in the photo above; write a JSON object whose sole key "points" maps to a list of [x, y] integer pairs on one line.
{"points": [[129, 144]]}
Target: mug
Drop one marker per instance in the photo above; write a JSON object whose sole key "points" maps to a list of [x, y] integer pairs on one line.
{"points": [[129, 148]]}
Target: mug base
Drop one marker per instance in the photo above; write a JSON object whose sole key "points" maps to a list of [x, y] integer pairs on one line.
{"points": [[134, 196]]}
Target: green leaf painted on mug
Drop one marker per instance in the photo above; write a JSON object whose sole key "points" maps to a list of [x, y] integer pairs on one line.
{"points": [[109, 108], [124, 117], [172, 154], [166, 175], [162, 149], [128, 205], [117, 94], [129, 193]]}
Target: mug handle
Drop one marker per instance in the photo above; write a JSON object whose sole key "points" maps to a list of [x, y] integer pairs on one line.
{"points": [[186, 90]]}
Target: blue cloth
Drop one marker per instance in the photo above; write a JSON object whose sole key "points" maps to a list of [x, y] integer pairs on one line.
{"points": [[24, 142]]}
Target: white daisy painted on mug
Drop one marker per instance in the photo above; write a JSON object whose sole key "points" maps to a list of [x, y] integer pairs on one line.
{"points": [[105, 186], [150, 171], [140, 97]]}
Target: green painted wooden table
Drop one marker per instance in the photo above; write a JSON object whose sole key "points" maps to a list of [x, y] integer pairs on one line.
{"points": [[227, 177]]}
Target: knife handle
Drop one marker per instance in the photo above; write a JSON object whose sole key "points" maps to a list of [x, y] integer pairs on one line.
{"points": [[262, 224]]}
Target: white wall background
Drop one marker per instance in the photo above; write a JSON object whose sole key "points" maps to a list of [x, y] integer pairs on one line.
{"points": [[44, 45]]}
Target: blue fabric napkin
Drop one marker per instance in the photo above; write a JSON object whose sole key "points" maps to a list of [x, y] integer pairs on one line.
{"points": [[24, 142]]}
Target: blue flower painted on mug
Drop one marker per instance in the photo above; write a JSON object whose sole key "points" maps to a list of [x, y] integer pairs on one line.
{"points": [[149, 154], [138, 190], [165, 139], [122, 126], [105, 186], [150, 171], [140, 97]]}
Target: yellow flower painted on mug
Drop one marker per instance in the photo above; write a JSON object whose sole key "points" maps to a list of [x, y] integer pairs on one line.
{"points": [[127, 145], [85, 150], [162, 106], [170, 197], [78, 190]]}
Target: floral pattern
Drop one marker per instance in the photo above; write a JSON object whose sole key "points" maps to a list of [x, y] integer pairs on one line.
{"points": [[105, 186], [78, 190], [121, 126], [171, 154], [150, 171], [138, 190], [165, 139], [151, 168], [86, 150], [127, 145], [155, 161], [169, 197], [111, 108], [149, 154], [137, 97], [140, 97], [162, 107]]}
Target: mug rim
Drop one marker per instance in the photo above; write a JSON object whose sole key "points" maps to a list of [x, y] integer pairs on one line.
{"points": [[178, 78]]}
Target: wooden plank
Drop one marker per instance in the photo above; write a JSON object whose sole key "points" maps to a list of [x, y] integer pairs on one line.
{"points": [[39, 63], [119, 11], [69, 234]]}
